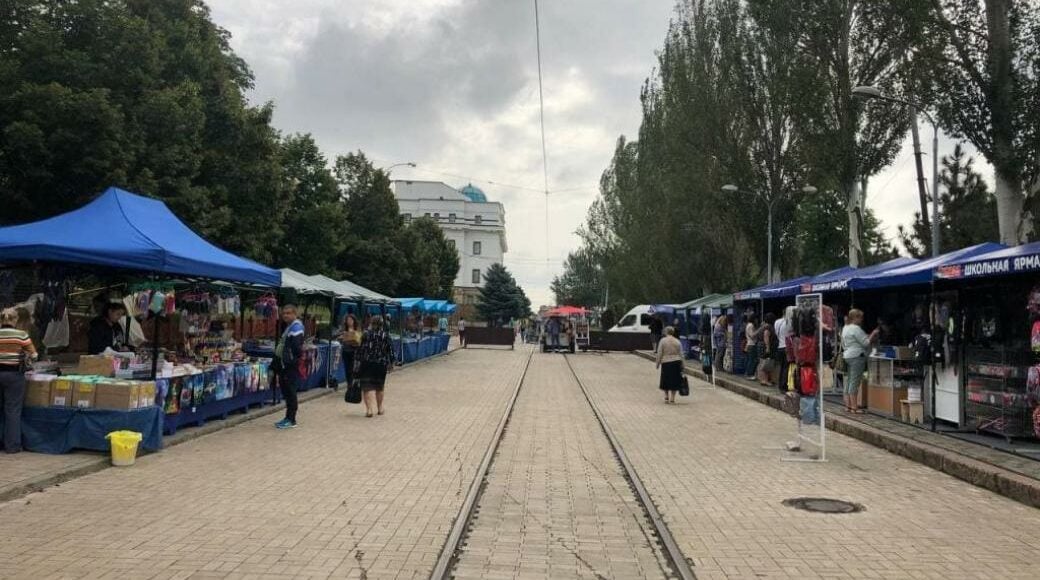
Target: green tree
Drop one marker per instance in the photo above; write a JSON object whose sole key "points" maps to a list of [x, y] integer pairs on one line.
{"points": [[316, 220], [848, 43], [373, 253], [143, 94], [432, 262], [981, 59], [822, 235], [581, 282], [501, 299], [969, 211]]}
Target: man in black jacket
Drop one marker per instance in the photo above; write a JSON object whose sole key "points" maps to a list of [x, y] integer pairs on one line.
{"points": [[287, 356], [656, 330]]}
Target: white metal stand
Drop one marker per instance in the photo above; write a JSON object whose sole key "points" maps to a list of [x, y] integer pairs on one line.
{"points": [[805, 432]]}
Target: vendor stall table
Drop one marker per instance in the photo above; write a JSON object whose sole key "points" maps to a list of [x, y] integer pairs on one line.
{"points": [[58, 430]]}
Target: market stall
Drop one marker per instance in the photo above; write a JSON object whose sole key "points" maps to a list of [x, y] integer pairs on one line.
{"points": [[424, 335], [988, 309], [162, 274]]}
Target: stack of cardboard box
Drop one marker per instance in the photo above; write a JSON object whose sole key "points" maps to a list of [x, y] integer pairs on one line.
{"points": [[88, 392]]}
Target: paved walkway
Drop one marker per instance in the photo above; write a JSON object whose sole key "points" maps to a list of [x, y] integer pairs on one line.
{"points": [[341, 496], [556, 503], [720, 491]]}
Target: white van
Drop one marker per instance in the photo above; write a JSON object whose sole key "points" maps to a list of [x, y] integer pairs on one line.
{"points": [[636, 320]]}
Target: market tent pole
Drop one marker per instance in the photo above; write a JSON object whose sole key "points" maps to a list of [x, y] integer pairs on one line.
{"points": [[931, 363], [332, 325]]}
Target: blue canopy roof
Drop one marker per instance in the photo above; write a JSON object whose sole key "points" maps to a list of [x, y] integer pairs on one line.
{"points": [[839, 279], [799, 285], [1015, 260], [920, 272], [123, 230], [410, 303], [760, 292]]}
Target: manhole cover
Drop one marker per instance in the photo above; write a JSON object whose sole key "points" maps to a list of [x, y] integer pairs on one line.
{"points": [[823, 505]]}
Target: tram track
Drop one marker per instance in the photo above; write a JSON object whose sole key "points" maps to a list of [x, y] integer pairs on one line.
{"points": [[654, 529]]}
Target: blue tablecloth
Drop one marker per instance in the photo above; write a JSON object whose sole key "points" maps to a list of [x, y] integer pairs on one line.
{"points": [[60, 430]]}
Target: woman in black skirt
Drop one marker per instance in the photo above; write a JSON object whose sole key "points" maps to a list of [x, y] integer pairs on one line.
{"points": [[670, 361], [372, 361]]}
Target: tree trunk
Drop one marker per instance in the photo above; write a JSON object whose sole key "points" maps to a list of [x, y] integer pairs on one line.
{"points": [[1014, 228], [855, 211]]}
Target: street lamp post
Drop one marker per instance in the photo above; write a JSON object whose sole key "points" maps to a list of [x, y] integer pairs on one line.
{"points": [[391, 168], [868, 92], [770, 200]]}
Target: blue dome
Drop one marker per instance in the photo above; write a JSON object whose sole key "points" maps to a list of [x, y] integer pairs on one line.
{"points": [[473, 193]]}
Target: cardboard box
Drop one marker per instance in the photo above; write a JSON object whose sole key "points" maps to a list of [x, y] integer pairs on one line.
{"points": [[146, 393], [96, 365], [116, 395], [61, 391], [38, 391], [84, 392]]}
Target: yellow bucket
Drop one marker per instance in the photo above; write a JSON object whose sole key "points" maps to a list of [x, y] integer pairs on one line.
{"points": [[124, 446]]}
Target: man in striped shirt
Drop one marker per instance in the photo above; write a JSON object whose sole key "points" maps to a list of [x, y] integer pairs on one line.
{"points": [[15, 349]]}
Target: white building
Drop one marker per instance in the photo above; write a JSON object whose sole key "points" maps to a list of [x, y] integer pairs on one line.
{"points": [[474, 225]]}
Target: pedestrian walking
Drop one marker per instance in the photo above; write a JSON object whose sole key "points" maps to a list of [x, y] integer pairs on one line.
{"points": [[462, 331], [373, 361], [16, 353], [351, 340], [751, 348], [855, 344], [670, 361], [718, 337], [287, 356], [656, 327]]}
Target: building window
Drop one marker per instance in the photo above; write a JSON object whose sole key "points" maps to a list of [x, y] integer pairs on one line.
{"points": [[437, 216], [476, 276], [478, 220], [476, 248], [451, 218], [451, 244], [407, 218], [427, 214]]}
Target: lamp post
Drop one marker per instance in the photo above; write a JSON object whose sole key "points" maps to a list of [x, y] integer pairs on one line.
{"points": [[391, 168], [730, 188], [868, 92]]}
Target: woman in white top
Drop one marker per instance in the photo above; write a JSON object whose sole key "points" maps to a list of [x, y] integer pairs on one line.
{"points": [[855, 345], [670, 361]]}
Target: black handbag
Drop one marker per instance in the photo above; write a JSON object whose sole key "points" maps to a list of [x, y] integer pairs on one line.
{"points": [[684, 389], [353, 394]]}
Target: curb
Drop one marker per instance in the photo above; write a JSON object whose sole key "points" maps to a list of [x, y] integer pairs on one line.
{"points": [[1001, 481]]}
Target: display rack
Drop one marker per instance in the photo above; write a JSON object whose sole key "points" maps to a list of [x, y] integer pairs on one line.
{"points": [[997, 399], [891, 377]]}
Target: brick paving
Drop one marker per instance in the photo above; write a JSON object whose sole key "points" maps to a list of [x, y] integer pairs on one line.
{"points": [[706, 464], [19, 470], [556, 503], [341, 496]]}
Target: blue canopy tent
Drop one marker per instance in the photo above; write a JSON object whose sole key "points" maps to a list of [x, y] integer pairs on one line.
{"points": [[1017, 260], [762, 292], [839, 279], [920, 272], [122, 230]]}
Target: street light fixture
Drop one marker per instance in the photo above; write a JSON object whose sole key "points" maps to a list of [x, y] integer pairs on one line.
{"points": [[868, 92], [808, 190], [391, 168]]}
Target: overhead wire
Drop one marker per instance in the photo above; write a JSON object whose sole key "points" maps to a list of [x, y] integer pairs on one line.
{"points": [[541, 113]]}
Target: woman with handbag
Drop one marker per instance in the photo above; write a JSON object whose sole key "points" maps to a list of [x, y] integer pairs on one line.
{"points": [[16, 352], [373, 360], [350, 339], [670, 361]]}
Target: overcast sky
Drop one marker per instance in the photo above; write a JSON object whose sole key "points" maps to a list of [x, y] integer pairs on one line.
{"points": [[453, 86]]}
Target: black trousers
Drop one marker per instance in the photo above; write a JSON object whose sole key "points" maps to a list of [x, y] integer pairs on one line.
{"points": [[12, 395], [290, 382]]}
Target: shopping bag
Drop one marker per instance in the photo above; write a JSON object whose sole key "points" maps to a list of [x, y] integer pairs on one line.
{"points": [[684, 389], [807, 381], [353, 394]]}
